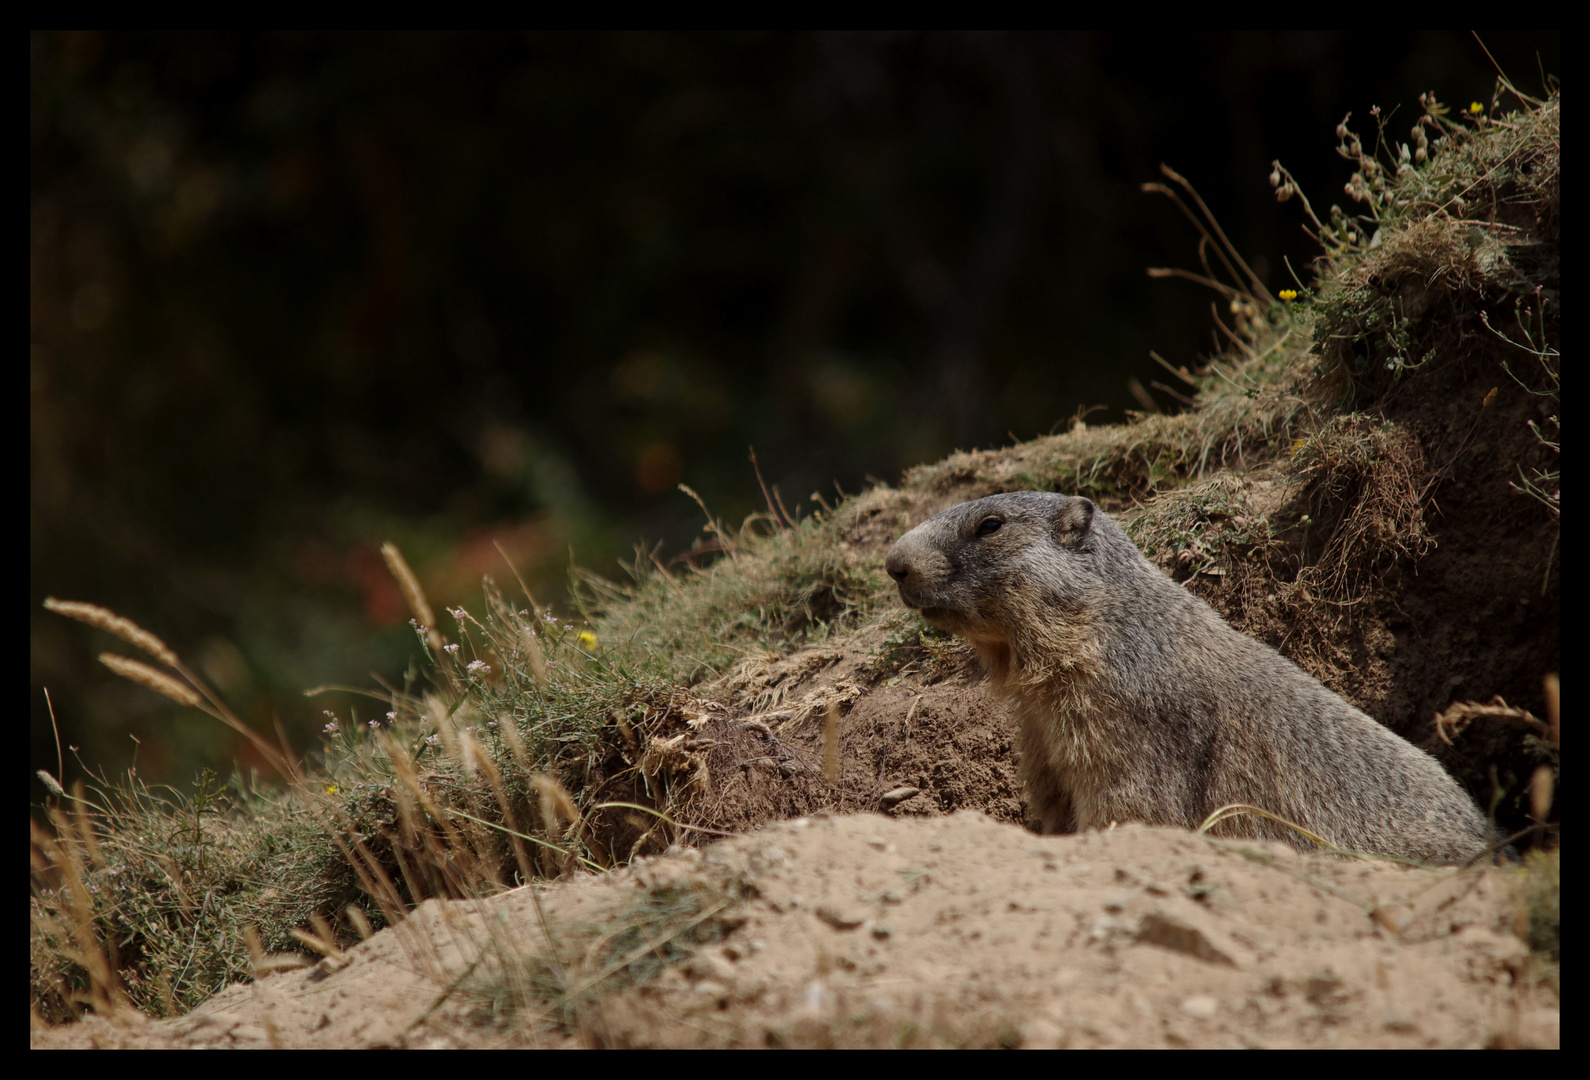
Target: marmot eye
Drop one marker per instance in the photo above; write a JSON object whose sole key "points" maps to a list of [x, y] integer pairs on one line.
{"points": [[988, 525]]}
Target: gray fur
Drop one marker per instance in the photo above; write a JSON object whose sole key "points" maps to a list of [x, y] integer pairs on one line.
{"points": [[1136, 702]]}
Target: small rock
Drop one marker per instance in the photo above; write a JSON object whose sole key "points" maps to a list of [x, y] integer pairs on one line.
{"points": [[882, 931], [1105, 928], [1323, 988], [1182, 934], [840, 920], [1200, 1006], [330, 965], [709, 989], [1396, 918], [898, 795]]}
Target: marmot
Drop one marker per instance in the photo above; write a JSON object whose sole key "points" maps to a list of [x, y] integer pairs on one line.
{"points": [[1136, 702]]}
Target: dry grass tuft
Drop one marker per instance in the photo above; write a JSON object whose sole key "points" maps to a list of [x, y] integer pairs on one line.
{"points": [[1366, 482]]}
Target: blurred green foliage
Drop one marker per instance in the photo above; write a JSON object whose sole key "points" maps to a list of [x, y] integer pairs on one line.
{"points": [[293, 295]]}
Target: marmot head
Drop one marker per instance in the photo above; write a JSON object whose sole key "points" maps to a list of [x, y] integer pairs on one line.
{"points": [[996, 570]]}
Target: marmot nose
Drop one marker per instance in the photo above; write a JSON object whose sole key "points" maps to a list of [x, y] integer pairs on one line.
{"points": [[897, 566]]}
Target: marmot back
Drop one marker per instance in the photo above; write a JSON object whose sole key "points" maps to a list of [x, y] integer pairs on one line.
{"points": [[1136, 702]]}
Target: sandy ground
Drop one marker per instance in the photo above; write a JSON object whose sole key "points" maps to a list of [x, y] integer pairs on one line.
{"points": [[958, 930]]}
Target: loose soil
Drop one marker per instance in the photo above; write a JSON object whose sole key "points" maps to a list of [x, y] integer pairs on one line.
{"points": [[865, 930]]}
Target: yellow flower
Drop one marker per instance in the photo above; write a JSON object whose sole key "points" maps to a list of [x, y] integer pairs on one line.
{"points": [[1289, 295], [332, 790], [1475, 108], [587, 639]]}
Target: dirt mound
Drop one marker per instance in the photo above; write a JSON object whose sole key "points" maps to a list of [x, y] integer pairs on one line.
{"points": [[915, 744], [959, 930]]}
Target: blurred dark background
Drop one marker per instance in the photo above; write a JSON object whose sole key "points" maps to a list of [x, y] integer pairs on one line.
{"points": [[294, 295]]}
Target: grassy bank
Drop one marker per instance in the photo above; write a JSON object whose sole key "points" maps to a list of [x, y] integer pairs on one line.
{"points": [[1347, 469]]}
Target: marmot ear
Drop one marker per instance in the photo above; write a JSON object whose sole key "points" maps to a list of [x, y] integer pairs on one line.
{"points": [[1074, 521]]}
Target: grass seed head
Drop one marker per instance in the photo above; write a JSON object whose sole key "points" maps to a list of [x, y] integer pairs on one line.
{"points": [[109, 621], [152, 678], [412, 592]]}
